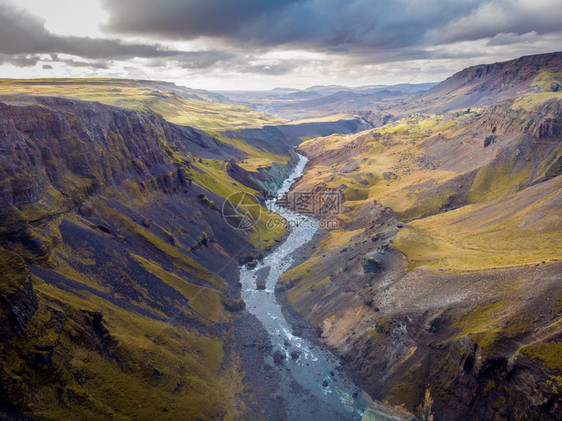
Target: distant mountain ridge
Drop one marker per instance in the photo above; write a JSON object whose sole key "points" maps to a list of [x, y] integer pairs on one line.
{"points": [[320, 101], [486, 84]]}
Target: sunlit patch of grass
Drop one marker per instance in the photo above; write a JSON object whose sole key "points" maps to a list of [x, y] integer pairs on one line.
{"points": [[355, 194], [337, 239], [489, 235], [135, 95], [205, 301], [493, 182], [164, 372], [550, 353], [541, 94]]}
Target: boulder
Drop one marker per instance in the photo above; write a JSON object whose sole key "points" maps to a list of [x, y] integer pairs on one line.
{"points": [[489, 140], [86, 211], [233, 305], [279, 357], [372, 265]]}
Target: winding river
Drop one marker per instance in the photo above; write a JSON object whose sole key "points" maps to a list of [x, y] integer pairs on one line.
{"points": [[313, 385]]}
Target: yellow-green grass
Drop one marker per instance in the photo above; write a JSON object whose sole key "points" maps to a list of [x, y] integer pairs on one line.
{"points": [[304, 276], [418, 125], [493, 182], [257, 158], [301, 277], [210, 117], [549, 352], [205, 301], [212, 175], [190, 383], [13, 273], [336, 239], [523, 228], [398, 154], [490, 324], [541, 92], [135, 95], [532, 101], [403, 158], [204, 115]]}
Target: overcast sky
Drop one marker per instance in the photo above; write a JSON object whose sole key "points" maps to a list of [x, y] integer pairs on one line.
{"points": [[263, 44]]}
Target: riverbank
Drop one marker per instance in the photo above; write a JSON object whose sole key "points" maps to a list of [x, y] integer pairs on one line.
{"points": [[312, 383]]}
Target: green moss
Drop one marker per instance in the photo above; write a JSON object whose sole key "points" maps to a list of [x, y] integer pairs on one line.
{"points": [[355, 194], [487, 235], [550, 353], [408, 391], [493, 182], [158, 371], [12, 221], [141, 96], [428, 206], [205, 301], [383, 325], [13, 272]]}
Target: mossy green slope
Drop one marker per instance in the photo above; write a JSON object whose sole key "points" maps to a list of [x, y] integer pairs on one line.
{"points": [[134, 267], [141, 95], [443, 271]]}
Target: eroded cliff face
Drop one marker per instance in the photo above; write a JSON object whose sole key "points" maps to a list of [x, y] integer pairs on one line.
{"points": [[18, 299], [132, 286], [486, 84], [443, 273], [53, 140], [125, 270]]}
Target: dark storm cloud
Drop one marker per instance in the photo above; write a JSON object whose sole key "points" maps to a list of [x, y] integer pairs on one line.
{"points": [[80, 63], [192, 18], [331, 25], [503, 20], [20, 60], [352, 32], [23, 36], [364, 30], [23, 33]]}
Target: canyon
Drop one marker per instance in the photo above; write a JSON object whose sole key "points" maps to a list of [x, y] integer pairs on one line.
{"points": [[433, 287]]}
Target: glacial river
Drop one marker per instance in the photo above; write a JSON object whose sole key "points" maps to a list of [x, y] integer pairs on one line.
{"points": [[313, 385]]}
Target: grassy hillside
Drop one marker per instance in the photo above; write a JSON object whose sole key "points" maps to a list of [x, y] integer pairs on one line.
{"points": [[421, 165], [140, 95], [488, 235], [131, 293], [442, 273]]}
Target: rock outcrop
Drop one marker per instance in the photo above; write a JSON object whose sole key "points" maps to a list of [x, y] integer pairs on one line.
{"points": [[18, 301]]}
